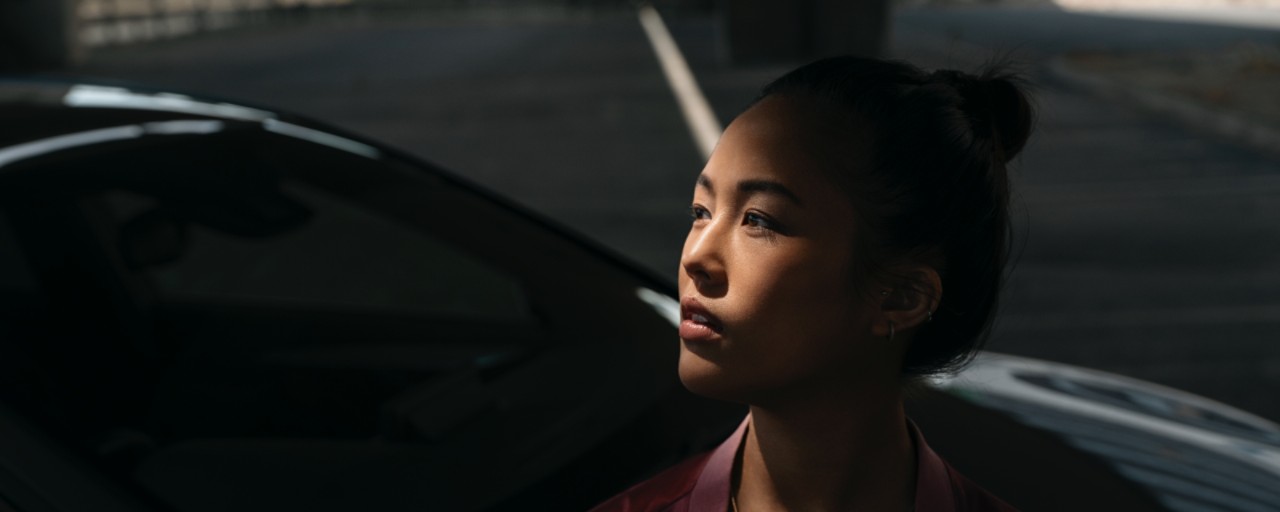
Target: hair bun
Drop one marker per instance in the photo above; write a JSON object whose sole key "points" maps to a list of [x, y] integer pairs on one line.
{"points": [[994, 100]]}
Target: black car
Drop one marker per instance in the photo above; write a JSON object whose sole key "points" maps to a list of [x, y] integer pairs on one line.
{"points": [[209, 306]]}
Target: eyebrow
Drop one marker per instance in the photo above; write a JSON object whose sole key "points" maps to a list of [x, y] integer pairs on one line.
{"points": [[767, 187], [755, 187]]}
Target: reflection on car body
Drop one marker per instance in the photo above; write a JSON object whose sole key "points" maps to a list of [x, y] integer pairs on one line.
{"points": [[1190, 452], [209, 306]]}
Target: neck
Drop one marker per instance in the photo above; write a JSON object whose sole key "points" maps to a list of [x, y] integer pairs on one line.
{"points": [[848, 455]]}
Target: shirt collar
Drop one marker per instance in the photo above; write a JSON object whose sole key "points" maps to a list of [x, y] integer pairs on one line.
{"points": [[933, 482], [711, 492]]}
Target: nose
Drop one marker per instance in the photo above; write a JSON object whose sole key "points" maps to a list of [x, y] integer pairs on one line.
{"points": [[703, 259]]}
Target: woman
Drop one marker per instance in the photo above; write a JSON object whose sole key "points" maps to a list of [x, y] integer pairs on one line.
{"points": [[849, 236]]}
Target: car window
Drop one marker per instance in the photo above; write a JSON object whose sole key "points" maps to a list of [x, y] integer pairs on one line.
{"points": [[380, 263], [246, 288], [243, 320]]}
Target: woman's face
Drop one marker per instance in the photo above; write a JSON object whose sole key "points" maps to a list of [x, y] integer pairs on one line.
{"points": [[770, 309]]}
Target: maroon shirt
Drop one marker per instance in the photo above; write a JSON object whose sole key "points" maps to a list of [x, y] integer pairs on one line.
{"points": [[702, 483]]}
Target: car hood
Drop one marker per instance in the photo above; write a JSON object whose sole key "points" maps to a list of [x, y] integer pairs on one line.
{"points": [[1187, 451]]}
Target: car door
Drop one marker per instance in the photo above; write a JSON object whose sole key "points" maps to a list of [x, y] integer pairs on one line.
{"points": [[264, 315]]}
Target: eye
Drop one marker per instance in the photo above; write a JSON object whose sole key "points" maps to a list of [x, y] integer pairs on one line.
{"points": [[757, 221], [697, 212]]}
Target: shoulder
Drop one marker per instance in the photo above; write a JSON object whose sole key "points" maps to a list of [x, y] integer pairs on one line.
{"points": [[667, 491]]}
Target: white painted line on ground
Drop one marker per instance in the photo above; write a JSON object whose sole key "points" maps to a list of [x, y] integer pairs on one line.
{"points": [[693, 104]]}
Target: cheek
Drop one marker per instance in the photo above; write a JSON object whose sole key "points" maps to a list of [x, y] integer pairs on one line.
{"points": [[796, 320], [796, 286], [807, 311]]}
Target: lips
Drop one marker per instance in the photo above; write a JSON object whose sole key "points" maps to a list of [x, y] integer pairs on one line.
{"points": [[697, 324]]}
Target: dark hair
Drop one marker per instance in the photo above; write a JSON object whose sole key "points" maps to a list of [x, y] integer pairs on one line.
{"points": [[936, 190]]}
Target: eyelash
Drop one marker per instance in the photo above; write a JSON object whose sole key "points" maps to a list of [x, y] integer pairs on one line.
{"points": [[758, 221], [697, 212], [753, 220]]}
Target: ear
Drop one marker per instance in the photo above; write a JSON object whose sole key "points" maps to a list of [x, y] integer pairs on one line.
{"points": [[910, 302]]}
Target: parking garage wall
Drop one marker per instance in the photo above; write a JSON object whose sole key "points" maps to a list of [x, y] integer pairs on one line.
{"points": [[109, 22], [49, 34]]}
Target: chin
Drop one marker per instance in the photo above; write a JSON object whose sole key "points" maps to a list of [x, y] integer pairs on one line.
{"points": [[708, 379]]}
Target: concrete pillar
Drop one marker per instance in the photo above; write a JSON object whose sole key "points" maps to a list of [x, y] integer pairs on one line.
{"points": [[39, 34], [765, 31]]}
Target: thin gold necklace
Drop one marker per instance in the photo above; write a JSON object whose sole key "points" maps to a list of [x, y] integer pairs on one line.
{"points": [[733, 500]]}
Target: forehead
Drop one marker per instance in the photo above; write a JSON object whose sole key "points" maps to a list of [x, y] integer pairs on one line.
{"points": [[794, 141]]}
